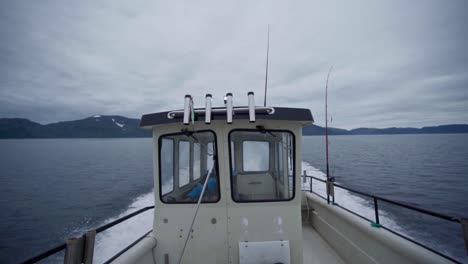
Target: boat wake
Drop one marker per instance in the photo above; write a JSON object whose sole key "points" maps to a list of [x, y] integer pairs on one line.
{"points": [[113, 240], [346, 199], [116, 238]]}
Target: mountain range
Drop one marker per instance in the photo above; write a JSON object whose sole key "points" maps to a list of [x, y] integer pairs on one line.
{"points": [[122, 127], [443, 129], [91, 127]]}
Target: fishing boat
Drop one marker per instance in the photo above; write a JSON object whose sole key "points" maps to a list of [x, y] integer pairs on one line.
{"points": [[229, 188]]}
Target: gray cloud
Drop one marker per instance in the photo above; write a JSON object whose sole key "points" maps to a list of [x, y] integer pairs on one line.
{"points": [[395, 63]]}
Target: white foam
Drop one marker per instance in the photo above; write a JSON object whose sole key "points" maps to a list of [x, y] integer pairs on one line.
{"points": [[347, 199], [120, 125], [111, 241], [96, 116]]}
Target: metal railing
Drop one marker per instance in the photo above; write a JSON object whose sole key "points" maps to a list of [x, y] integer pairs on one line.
{"points": [[63, 246], [376, 221]]}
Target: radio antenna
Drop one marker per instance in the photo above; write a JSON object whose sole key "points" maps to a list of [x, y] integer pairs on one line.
{"points": [[266, 71]]}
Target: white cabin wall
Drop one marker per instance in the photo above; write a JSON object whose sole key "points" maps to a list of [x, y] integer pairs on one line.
{"points": [[207, 243], [263, 217], [218, 242]]}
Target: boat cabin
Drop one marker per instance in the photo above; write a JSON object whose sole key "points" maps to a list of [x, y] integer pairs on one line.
{"points": [[227, 183], [227, 186]]}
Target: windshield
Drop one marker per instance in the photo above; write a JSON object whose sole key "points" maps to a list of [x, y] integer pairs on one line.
{"points": [[262, 165]]}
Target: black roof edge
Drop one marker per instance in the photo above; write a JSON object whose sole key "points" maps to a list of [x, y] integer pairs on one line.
{"points": [[281, 113]]}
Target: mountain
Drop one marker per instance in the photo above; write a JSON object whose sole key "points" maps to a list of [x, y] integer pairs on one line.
{"points": [[123, 127], [91, 127], [314, 130], [19, 128], [384, 131], [318, 130]]}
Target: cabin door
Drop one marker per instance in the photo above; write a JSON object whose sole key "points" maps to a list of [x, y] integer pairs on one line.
{"points": [[186, 161], [263, 216]]}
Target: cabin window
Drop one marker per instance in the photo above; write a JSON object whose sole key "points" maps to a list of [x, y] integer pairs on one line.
{"points": [[262, 165], [196, 161], [184, 162], [209, 155], [255, 155], [167, 165]]}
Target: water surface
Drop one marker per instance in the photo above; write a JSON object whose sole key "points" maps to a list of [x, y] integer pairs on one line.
{"points": [[56, 188]]}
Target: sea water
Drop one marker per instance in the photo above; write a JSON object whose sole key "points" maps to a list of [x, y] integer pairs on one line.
{"points": [[51, 189]]}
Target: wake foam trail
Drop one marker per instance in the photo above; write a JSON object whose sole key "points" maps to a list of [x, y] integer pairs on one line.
{"points": [[347, 199], [116, 238]]}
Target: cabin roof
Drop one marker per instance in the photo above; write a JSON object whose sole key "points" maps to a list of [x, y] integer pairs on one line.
{"points": [[301, 115]]}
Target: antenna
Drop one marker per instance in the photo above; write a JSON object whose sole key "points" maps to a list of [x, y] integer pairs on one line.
{"points": [[326, 132], [266, 71]]}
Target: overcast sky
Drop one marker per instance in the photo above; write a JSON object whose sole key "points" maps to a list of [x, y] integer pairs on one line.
{"points": [[396, 63]]}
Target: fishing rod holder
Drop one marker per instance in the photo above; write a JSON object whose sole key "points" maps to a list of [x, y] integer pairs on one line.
{"points": [[251, 105], [189, 113], [208, 102], [228, 103], [187, 107]]}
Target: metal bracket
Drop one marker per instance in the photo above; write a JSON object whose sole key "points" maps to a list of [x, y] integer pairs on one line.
{"points": [[90, 237], [331, 187], [464, 223], [74, 250], [80, 249]]}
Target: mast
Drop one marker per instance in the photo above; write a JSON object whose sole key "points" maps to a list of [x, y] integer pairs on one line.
{"points": [[326, 133], [266, 71]]}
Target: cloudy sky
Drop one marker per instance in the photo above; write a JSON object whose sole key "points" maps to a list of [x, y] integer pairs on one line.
{"points": [[396, 63]]}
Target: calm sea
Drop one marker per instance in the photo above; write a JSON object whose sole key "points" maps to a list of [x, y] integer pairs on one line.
{"points": [[56, 188]]}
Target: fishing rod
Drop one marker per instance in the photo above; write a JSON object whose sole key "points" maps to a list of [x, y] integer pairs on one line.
{"points": [[326, 135]]}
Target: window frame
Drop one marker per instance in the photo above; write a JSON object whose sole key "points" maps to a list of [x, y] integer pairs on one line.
{"points": [[160, 138], [231, 168]]}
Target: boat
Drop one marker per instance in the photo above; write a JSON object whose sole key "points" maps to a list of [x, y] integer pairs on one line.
{"points": [[229, 188]]}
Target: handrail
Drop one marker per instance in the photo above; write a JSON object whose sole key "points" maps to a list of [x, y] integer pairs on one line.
{"points": [[377, 222], [61, 247], [45, 254], [407, 206], [113, 223]]}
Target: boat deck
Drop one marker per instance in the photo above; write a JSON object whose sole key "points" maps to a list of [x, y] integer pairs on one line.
{"points": [[315, 249]]}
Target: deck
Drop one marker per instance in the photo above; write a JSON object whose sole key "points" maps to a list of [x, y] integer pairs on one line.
{"points": [[315, 249]]}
